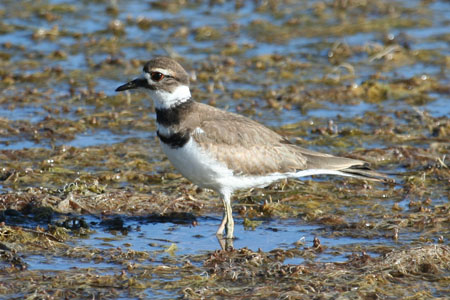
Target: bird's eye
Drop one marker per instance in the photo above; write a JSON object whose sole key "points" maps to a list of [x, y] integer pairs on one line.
{"points": [[156, 76]]}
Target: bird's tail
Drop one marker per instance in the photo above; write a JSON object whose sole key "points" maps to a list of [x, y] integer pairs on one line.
{"points": [[364, 172], [333, 165]]}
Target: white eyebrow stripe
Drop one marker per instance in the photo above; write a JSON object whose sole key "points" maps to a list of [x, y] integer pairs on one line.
{"points": [[149, 77], [162, 71]]}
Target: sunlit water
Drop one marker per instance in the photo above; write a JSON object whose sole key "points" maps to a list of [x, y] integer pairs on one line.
{"points": [[190, 240]]}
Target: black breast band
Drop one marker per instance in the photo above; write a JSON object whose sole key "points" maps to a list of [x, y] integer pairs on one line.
{"points": [[175, 140], [173, 115]]}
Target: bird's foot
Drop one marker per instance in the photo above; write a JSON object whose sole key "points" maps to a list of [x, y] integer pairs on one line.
{"points": [[225, 243]]}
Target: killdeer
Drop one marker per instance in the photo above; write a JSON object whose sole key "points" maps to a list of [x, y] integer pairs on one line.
{"points": [[224, 151]]}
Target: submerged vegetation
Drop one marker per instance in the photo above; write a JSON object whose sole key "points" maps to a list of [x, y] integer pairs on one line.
{"points": [[84, 186]]}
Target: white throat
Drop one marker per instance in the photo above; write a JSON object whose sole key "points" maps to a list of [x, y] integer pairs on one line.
{"points": [[165, 100]]}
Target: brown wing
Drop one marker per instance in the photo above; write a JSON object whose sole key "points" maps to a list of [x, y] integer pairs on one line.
{"points": [[253, 149], [243, 144]]}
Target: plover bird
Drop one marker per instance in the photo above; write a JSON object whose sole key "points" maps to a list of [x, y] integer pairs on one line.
{"points": [[224, 151]]}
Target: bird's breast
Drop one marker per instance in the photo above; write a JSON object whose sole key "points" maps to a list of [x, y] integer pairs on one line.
{"points": [[194, 163], [174, 140]]}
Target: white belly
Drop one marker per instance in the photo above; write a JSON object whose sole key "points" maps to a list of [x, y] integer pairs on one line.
{"points": [[195, 165], [203, 170]]}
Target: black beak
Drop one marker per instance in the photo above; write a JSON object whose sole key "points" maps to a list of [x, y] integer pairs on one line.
{"points": [[134, 84]]}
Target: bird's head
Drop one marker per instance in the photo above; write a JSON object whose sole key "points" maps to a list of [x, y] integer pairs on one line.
{"points": [[165, 80]]}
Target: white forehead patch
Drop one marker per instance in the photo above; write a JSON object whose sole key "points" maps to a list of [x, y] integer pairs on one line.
{"points": [[147, 77]]}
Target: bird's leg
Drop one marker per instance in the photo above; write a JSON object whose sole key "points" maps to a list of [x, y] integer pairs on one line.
{"points": [[230, 221], [227, 221], [222, 225], [225, 244]]}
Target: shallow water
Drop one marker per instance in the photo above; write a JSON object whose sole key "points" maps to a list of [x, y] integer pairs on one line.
{"points": [[200, 239]]}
